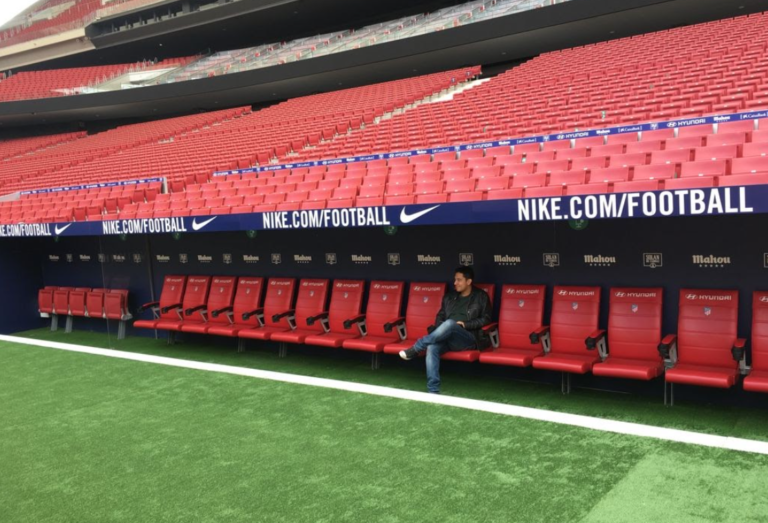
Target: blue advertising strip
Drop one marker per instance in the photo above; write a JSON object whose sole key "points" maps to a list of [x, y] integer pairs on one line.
{"points": [[94, 186], [751, 199], [623, 129]]}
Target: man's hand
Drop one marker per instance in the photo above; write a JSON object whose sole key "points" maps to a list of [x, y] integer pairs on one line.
{"points": [[461, 323]]}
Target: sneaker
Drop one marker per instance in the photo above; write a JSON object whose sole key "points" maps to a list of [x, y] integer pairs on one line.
{"points": [[408, 354]]}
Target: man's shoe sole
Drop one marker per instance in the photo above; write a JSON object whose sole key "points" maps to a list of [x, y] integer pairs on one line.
{"points": [[404, 356]]}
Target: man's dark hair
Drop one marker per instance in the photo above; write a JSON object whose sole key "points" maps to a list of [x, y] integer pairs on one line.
{"points": [[467, 271]]}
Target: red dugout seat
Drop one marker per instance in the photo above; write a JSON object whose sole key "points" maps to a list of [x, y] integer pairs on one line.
{"points": [[343, 312], [702, 351], [634, 333], [522, 310], [382, 312], [757, 379], [220, 298], [192, 306], [246, 311], [473, 355], [278, 311], [166, 308], [424, 301], [573, 333], [310, 307]]}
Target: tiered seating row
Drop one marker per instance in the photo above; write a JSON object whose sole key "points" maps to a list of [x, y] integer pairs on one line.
{"points": [[707, 351], [84, 302]]}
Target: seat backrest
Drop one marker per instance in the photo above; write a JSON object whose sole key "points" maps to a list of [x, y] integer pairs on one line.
{"points": [[488, 288], [196, 294], [575, 315], [247, 299], [116, 304], [707, 326], [760, 331], [61, 301], [221, 295], [384, 301], [634, 322], [424, 301], [172, 293], [521, 313], [77, 302], [313, 295], [346, 303], [45, 300], [94, 302], [279, 299]]}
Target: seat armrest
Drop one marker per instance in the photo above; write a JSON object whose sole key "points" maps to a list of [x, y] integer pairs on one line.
{"points": [[278, 317], [312, 319], [148, 306], [216, 313], [739, 351], [351, 321], [666, 345], [247, 315], [536, 335], [594, 338], [194, 309], [170, 308], [391, 324], [493, 332]]}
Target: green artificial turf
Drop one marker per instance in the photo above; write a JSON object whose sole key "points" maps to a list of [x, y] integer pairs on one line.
{"points": [[91, 439], [352, 366]]}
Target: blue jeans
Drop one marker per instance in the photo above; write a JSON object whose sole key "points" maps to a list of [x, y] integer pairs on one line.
{"points": [[449, 336]]}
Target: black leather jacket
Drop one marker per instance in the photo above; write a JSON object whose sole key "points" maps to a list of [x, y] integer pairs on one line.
{"points": [[478, 312]]}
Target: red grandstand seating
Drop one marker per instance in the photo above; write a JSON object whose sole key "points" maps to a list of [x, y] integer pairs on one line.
{"points": [[191, 308], [573, 333], [382, 313], [520, 315], [757, 378], [634, 333], [701, 352], [246, 311], [342, 314], [424, 302]]}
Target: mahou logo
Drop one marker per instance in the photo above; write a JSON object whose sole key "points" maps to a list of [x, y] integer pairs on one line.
{"points": [[426, 259], [507, 260], [599, 260], [361, 259], [710, 261], [302, 258], [250, 258]]}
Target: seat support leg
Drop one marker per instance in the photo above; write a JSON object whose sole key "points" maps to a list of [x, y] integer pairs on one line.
{"points": [[375, 361], [54, 322], [282, 350], [565, 382], [121, 330], [68, 325], [171, 337]]}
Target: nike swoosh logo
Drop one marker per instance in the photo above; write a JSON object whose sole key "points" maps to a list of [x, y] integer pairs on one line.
{"points": [[197, 226], [59, 231], [408, 218]]}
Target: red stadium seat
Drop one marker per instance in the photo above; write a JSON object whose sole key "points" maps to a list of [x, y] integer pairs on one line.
{"points": [[634, 333], [191, 308], [573, 333], [757, 379], [343, 314], [424, 302], [382, 314], [278, 311], [244, 313], [308, 317], [220, 297], [702, 351], [167, 308], [522, 309]]}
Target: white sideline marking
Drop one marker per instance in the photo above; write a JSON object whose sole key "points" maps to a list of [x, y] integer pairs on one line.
{"points": [[575, 420]]}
